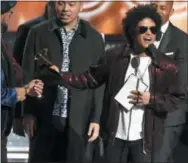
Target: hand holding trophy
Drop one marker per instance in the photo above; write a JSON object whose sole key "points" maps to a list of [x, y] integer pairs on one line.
{"points": [[41, 58], [55, 68], [49, 72]]}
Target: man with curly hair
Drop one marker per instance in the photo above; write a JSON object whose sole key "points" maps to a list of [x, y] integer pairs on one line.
{"points": [[132, 135]]}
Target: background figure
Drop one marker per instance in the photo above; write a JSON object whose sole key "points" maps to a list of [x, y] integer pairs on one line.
{"points": [[23, 31], [173, 43], [11, 75], [102, 15], [18, 49], [63, 119]]}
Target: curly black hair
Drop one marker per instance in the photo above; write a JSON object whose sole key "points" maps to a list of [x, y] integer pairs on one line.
{"points": [[135, 15]]}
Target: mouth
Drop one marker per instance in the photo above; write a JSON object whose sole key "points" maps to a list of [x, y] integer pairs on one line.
{"points": [[65, 15], [148, 39]]}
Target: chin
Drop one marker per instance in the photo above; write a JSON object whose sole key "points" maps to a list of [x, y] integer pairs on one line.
{"points": [[145, 46], [65, 21]]}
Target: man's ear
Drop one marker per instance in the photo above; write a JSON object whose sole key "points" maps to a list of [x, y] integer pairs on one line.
{"points": [[81, 6]]}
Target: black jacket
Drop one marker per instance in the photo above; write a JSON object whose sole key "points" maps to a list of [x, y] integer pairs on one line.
{"points": [[175, 41], [87, 45], [10, 82], [21, 36], [18, 50]]}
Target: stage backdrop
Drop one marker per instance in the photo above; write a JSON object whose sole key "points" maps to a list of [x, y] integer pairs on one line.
{"points": [[106, 16]]}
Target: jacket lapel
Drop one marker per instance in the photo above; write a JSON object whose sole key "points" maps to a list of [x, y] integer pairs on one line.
{"points": [[56, 39], [165, 39], [122, 65]]}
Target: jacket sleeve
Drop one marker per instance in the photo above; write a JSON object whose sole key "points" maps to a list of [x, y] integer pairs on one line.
{"points": [[8, 95], [28, 61], [16, 67], [90, 79], [175, 94], [98, 93], [28, 67], [21, 36]]}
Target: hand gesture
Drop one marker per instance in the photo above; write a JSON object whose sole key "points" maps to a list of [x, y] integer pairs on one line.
{"points": [[139, 98], [34, 88]]}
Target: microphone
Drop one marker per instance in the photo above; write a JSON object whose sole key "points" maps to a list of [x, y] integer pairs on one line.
{"points": [[135, 62], [152, 51]]}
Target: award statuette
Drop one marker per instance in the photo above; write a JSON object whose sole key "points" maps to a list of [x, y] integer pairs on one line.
{"points": [[46, 74], [41, 58]]}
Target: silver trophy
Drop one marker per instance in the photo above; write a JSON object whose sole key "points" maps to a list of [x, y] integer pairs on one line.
{"points": [[42, 57]]}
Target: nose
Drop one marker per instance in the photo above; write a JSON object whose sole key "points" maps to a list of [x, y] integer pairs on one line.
{"points": [[66, 7], [148, 32]]}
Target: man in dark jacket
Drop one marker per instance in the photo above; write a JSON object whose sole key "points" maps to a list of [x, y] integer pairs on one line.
{"points": [[61, 115], [173, 43], [18, 49], [136, 131], [11, 93]]}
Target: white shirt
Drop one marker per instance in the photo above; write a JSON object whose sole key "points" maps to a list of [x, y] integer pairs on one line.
{"points": [[130, 125], [164, 27]]}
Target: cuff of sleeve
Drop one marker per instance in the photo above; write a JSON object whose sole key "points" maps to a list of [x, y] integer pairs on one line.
{"points": [[13, 97], [95, 120], [151, 104]]}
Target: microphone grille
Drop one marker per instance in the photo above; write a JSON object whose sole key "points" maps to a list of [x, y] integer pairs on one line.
{"points": [[135, 62]]}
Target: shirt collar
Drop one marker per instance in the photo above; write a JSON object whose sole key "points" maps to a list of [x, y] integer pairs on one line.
{"points": [[75, 28], [164, 27], [80, 27]]}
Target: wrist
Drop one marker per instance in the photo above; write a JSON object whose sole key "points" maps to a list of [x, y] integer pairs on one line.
{"points": [[26, 88], [20, 94]]}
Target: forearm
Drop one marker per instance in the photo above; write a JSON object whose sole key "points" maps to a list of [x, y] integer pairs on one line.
{"points": [[166, 102], [82, 81], [8, 97], [98, 104], [175, 93], [87, 80]]}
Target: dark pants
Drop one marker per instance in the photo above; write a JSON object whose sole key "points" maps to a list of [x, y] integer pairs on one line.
{"points": [[124, 151], [48, 145], [76, 147], [51, 145], [171, 140], [4, 149], [76, 143]]}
